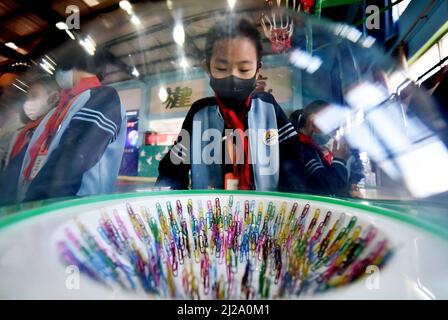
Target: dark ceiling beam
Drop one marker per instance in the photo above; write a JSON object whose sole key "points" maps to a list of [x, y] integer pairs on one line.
{"points": [[55, 37], [117, 62], [12, 54], [163, 25], [167, 45], [22, 41], [95, 12], [13, 14], [153, 64], [41, 9], [153, 48], [8, 35]]}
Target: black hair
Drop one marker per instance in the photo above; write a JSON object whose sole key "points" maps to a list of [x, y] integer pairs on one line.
{"points": [[299, 117], [73, 56], [231, 28]]}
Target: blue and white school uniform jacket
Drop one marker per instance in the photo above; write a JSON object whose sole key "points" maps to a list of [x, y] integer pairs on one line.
{"points": [[84, 155], [278, 140]]}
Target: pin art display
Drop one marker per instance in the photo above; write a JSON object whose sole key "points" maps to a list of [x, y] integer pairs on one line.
{"points": [[226, 251], [207, 245]]}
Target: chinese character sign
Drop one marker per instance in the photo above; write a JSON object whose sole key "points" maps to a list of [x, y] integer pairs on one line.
{"points": [[176, 96]]}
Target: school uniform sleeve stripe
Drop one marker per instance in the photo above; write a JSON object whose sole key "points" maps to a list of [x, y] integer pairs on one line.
{"points": [[311, 162], [292, 134], [95, 122], [285, 127], [97, 118], [339, 162], [284, 132], [317, 164], [178, 156], [83, 142], [181, 145], [309, 174], [101, 115], [177, 149], [282, 128]]}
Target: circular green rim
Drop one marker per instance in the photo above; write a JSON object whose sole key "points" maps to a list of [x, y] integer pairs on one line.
{"points": [[420, 223]]}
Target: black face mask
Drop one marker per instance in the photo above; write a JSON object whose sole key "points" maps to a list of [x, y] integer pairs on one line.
{"points": [[233, 87]]}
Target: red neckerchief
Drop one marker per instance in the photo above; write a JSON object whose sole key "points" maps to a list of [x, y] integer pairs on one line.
{"points": [[51, 127], [325, 154], [232, 121], [24, 137]]}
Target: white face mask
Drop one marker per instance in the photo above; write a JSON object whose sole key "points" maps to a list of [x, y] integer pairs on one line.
{"points": [[64, 78], [35, 108]]}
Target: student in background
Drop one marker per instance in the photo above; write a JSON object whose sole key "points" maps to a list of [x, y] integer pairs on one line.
{"points": [[325, 170], [42, 97], [233, 60], [12, 119], [78, 149]]}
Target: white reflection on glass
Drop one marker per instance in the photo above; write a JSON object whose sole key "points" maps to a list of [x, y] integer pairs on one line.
{"points": [[422, 291], [405, 149], [421, 168], [163, 94], [331, 118], [305, 61], [89, 45], [183, 63]]}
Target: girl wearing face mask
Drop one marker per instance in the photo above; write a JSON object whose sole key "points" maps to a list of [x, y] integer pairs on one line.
{"points": [[325, 170], [42, 97], [76, 150], [260, 128]]}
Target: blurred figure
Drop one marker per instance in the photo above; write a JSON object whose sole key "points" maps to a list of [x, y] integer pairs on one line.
{"points": [[355, 170], [11, 121], [43, 96], [325, 171], [78, 149]]}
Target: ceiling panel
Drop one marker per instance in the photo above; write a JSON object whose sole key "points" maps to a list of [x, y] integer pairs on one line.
{"points": [[7, 6], [25, 24]]}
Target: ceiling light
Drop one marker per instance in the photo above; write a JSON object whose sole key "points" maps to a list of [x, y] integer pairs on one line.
{"points": [[11, 45], [91, 3], [135, 72], [135, 20], [179, 34], [61, 25], [126, 6]]}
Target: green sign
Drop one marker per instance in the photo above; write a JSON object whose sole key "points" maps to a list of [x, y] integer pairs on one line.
{"points": [[149, 158]]}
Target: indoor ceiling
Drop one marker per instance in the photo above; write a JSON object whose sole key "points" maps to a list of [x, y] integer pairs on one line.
{"points": [[146, 44]]}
